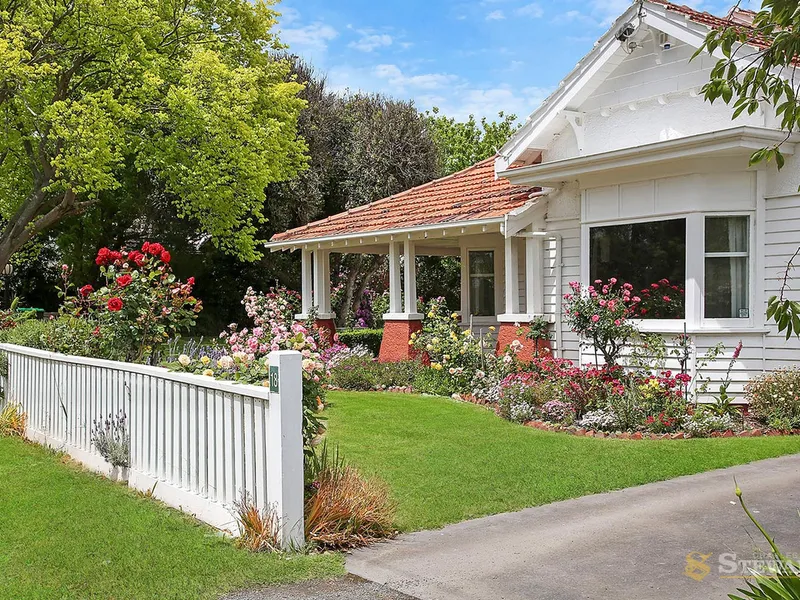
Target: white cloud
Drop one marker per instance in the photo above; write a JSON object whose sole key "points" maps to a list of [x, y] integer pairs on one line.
{"points": [[370, 41], [288, 15], [400, 81], [495, 15], [311, 38], [533, 10]]}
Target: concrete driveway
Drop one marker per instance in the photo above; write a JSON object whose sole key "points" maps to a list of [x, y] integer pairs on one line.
{"points": [[627, 544]]}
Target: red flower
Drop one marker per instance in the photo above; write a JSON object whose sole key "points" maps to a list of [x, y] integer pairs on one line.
{"points": [[114, 256], [146, 247], [114, 304], [137, 257], [155, 249], [102, 256], [86, 290], [165, 256], [190, 281], [124, 280]]}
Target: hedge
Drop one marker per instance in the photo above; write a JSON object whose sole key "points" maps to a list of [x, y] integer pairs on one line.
{"points": [[371, 338]]}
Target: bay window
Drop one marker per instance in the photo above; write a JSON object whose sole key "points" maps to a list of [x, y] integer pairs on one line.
{"points": [[727, 278], [481, 283], [650, 256]]}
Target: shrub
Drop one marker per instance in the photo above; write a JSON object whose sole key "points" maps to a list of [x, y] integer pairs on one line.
{"points": [[370, 338], [602, 420], [523, 395], [258, 529], [600, 315], [775, 398], [343, 509], [111, 439], [432, 381], [354, 373], [558, 412], [65, 334], [140, 306], [627, 409], [703, 423], [13, 420]]}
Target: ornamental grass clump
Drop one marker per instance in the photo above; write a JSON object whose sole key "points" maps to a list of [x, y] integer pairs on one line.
{"points": [[344, 509], [259, 529], [13, 420]]}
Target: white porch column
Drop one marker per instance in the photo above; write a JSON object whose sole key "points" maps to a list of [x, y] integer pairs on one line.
{"points": [[534, 287], [306, 292], [410, 272], [512, 277], [395, 299], [322, 283]]}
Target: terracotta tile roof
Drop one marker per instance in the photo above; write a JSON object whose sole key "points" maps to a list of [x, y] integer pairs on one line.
{"points": [[469, 195], [739, 17]]}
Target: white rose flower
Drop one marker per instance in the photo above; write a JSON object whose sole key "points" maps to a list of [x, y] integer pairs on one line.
{"points": [[225, 362], [184, 360]]}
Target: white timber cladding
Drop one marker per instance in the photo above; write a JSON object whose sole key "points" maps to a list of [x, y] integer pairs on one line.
{"points": [[197, 443]]}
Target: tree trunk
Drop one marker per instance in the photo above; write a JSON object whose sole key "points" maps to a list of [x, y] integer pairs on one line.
{"points": [[349, 289], [365, 281], [32, 218]]}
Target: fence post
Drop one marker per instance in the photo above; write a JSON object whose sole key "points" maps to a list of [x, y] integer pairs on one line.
{"points": [[285, 445]]}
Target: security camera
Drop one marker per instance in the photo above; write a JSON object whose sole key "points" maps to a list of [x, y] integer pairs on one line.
{"points": [[625, 32]]}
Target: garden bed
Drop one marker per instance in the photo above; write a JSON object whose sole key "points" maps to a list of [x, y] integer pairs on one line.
{"points": [[643, 435]]}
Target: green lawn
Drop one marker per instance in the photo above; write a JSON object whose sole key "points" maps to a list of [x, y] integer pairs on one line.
{"points": [[447, 461], [67, 534]]}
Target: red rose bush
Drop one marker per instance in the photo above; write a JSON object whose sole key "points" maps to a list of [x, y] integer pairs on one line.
{"points": [[140, 306]]}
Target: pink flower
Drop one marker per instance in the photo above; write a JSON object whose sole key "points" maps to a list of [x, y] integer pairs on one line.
{"points": [[613, 280], [617, 322], [666, 298], [595, 318]]}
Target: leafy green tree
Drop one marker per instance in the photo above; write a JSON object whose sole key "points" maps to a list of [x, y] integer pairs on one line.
{"points": [[185, 91], [759, 64], [461, 144]]}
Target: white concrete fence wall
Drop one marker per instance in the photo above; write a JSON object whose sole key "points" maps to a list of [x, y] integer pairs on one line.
{"points": [[199, 443]]}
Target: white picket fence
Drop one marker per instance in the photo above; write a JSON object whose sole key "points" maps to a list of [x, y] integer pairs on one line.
{"points": [[200, 444]]}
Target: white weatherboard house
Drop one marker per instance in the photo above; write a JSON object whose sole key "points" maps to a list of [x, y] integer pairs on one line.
{"points": [[624, 171]]}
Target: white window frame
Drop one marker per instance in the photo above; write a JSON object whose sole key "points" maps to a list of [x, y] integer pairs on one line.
{"points": [[694, 320], [469, 251], [730, 323], [484, 243]]}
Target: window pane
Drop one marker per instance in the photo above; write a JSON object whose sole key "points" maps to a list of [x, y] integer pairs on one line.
{"points": [[726, 234], [727, 288], [481, 295], [650, 256], [481, 263]]}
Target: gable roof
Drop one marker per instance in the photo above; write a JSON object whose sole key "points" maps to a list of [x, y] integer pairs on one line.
{"points": [[474, 194], [607, 54]]}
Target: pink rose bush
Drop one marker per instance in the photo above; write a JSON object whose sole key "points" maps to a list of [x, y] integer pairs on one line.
{"points": [[244, 356]]}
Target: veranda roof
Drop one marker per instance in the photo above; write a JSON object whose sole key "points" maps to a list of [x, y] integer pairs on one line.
{"points": [[474, 194]]}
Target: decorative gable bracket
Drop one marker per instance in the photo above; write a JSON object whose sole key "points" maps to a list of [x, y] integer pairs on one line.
{"points": [[577, 120]]}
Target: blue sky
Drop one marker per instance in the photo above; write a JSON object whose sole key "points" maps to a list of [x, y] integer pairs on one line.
{"points": [[476, 57]]}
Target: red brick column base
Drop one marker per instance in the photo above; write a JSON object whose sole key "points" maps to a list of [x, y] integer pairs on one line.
{"points": [[394, 344], [327, 329], [530, 348]]}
